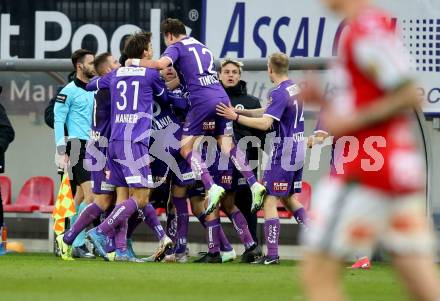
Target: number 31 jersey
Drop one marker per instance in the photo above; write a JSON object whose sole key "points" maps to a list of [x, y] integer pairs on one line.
{"points": [[132, 90], [195, 65]]}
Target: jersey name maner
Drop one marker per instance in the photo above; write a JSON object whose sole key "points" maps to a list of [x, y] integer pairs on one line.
{"points": [[126, 118]]}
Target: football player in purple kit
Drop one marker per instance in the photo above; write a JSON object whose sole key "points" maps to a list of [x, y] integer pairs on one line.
{"points": [[283, 174], [195, 66], [96, 153], [227, 253], [132, 90]]}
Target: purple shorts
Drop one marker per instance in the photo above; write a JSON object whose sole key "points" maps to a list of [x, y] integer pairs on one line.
{"points": [[197, 189], [97, 169], [128, 164], [202, 119], [179, 171], [282, 183]]}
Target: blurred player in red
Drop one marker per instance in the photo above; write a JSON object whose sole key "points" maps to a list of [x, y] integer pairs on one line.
{"points": [[377, 196]]}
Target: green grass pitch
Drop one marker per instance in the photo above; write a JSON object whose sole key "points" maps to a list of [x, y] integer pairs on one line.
{"points": [[44, 277]]}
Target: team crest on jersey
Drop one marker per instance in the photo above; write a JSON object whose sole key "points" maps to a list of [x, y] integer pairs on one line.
{"points": [[61, 98], [226, 180], [209, 125], [280, 186]]}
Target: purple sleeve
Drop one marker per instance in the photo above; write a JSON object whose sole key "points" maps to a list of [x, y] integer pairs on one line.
{"points": [[102, 82], [178, 101], [172, 53], [158, 85], [277, 104]]}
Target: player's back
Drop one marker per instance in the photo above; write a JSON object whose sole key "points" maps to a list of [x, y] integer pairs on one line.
{"points": [[195, 64], [372, 63], [101, 115], [287, 113], [131, 106]]}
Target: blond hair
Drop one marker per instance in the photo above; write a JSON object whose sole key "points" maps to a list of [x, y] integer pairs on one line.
{"points": [[279, 62], [236, 63]]}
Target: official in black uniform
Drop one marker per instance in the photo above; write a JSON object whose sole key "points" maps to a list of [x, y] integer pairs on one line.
{"points": [[230, 77], [7, 135]]}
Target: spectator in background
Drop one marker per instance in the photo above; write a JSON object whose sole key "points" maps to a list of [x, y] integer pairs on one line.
{"points": [[6, 137], [230, 77]]}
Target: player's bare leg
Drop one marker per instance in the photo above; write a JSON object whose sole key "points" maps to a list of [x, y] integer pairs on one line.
{"points": [[292, 204], [420, 276], [323, 272]]}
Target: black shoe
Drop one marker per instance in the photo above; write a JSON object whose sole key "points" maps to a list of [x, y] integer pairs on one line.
{"points": [[210, 258], [267, 260], [252, 254], [82, 252]]}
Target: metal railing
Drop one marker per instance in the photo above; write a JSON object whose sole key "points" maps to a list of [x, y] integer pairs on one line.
{"points": [[65, 65]]}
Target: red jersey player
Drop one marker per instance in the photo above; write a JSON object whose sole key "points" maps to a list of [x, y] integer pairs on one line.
{"points": [[378, 197]]}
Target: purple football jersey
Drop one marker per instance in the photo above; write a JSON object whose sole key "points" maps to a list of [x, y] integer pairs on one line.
{"points": [[288, 123], [132, 90], [101, 115], [195, 65]]}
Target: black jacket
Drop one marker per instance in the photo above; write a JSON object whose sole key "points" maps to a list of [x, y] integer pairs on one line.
{"points": [[7, 135], [240, 99]]}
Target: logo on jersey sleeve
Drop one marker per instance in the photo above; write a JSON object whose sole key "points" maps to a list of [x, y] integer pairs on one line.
{"points": [[61, 98]]}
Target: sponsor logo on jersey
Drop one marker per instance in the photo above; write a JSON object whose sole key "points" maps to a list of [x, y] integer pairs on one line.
{"points": [[131, 71], [133, 180], [280, 186], [209, 125], [293, 90], [226, 180], [107, 187]]}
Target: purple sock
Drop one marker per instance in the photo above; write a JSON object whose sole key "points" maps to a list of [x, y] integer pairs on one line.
{"points": [[89, 214], [272, 234], [242, 229], [212, 230], [198, 166], [153, 222], [225, 246], [171, 229], [240, 161], [301, 216], [133, 222], [122, 212], [121, 237], [182, 223], [202, 219]]}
